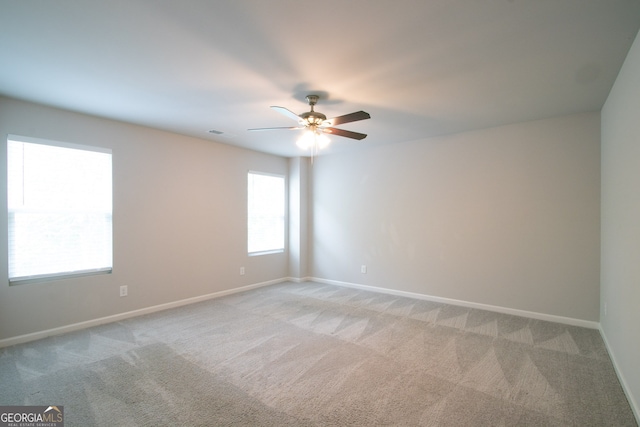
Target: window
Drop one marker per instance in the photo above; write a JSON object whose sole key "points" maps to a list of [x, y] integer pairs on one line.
{"points": [[266, 213], [59, 209]]}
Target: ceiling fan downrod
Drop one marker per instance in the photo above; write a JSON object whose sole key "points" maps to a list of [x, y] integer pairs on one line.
{"points": [[312, 117]]}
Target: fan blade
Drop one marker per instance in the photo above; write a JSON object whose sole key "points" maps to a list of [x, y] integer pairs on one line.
{"points": [[280, 128], [345, 133], [348, 118], [286, 112]]}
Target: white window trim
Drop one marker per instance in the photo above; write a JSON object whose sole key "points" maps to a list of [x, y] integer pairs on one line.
{"points": [[44, 141], [286, 217], [68, 274]]}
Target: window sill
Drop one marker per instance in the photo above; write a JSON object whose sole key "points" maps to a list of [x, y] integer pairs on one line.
{"points": [[57, 276], [276, 251]]}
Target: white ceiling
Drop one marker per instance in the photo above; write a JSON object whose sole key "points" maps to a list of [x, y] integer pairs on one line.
{"points": [[420, 67]]}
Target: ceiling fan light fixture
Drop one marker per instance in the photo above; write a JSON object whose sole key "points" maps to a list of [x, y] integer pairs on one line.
{"points": [[306, 140], [313, 139], [322, 141]]}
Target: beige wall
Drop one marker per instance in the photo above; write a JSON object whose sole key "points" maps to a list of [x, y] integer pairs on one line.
{"points": [[298, 217], [621, 224], [179, 221], [507, 217]]}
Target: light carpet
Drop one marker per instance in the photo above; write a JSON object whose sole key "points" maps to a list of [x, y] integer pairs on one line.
{"points": [[312, 354]]}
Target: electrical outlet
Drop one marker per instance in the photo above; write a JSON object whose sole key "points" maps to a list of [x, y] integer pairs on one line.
{"points": [[124, 291], [242, 271], [363, 269]]}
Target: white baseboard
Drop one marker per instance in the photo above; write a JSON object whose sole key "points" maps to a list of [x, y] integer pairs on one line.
{"points": [[122, 316], [147, 310], [299, 279], [627, 391], [497, 309]]}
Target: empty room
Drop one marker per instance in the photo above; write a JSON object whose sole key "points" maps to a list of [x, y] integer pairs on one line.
{"points": [[320, 213]]}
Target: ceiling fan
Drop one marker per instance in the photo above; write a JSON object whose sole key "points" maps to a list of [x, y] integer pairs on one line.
{"points": [[316, 124]]}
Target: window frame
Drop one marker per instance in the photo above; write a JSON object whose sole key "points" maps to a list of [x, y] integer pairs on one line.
{"points": [[43, 277], [284, 215]]}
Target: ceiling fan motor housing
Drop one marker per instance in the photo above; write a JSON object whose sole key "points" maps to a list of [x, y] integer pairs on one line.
{"points": [[312, 117]]}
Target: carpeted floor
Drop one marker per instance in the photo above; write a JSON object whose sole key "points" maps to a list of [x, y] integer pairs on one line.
{"points": [[314, 354]]}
